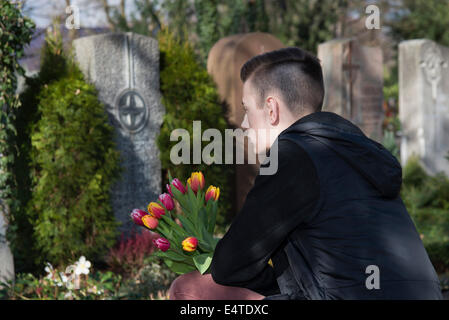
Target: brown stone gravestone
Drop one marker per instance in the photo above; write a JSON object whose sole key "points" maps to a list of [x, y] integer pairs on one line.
{"points": [[224, 62], [353, 81]]}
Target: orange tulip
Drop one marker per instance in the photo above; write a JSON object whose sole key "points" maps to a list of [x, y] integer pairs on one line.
{"points": [[189, 244], [156, 210], [212, 192], [196, 181], [150, 222]]}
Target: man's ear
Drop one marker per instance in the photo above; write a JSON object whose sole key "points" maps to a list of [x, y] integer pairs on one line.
{"points": [[273, 109]]}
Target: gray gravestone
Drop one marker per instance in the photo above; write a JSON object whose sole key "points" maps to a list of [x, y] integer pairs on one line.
{"points": [[353, 81], [124, 67], [424, 103], [6, 258]]}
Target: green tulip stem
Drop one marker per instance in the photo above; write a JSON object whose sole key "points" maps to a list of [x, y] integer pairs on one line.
{"points": [[173, 224]]}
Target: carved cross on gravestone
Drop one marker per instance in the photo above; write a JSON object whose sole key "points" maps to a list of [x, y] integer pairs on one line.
{"points": [[438, 113], [349, 69], [433, 63], [131, 108], [132, 111]]}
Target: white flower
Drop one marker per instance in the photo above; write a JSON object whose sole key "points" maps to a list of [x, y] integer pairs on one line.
{"points": [[70, 268], [82, 266], [63, 277], [63, 280], [49, 267], [49, 270]]}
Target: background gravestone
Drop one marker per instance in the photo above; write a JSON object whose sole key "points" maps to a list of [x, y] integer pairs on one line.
{"points": [[353, 81], [124, 67], [224, 62], [424, 103]]}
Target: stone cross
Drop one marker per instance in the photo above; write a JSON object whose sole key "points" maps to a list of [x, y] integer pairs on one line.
{"points": [[350, 72]]}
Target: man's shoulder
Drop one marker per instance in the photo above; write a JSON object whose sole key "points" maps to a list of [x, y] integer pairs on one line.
{"points": [[290, 151], [289, 156]]}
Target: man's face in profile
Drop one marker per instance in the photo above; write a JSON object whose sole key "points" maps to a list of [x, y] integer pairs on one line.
{"points": [[254, 118]]}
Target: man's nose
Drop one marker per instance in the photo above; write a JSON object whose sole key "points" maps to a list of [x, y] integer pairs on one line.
{"points": [[245, 124]]}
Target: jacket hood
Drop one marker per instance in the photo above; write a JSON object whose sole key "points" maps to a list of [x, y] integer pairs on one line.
{"points": [[375, 163]]}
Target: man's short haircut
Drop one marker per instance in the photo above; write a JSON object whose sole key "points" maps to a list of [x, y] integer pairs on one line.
{"points": [[292, 72]]}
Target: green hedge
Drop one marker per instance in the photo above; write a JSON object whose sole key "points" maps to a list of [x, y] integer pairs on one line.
{"points": [[15, 33], [54, 67], [189, 94], [427, 200], [73, 163]]}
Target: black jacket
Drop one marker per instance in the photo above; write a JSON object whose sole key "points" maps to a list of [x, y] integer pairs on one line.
{"points": [[330, 214]]}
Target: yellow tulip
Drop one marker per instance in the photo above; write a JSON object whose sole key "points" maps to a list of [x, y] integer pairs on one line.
{"points": [[156, 210], [189, 244], [212, 192], [196, 181]]}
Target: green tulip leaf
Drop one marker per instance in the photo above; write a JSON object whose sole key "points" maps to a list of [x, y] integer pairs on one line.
{"points": [[179, 267], [181, 198], [170, 254], [193, 203], [203, 218], [202, 262], [208, 239], [188, 226], [204, 246]]}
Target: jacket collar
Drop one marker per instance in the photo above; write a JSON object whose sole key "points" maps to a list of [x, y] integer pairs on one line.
{"points": [[328, 119]]}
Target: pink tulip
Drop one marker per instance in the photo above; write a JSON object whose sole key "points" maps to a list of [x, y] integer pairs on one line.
{"points": [[167, 201], [162, 244], [178, 185], [169, 190], [137, 215]]}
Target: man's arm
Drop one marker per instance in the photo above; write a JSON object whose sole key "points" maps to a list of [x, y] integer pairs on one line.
{"points": [[275, 206]]}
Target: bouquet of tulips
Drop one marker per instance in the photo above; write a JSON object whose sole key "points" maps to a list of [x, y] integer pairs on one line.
{"points": [[186, 241]]}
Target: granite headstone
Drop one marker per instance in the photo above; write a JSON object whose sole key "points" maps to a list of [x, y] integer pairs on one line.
{"points": [[353, 81], [124, 67], [424, 103]]}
